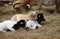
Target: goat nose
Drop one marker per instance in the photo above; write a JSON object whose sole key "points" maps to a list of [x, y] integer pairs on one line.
{"points": [[36, 27]]}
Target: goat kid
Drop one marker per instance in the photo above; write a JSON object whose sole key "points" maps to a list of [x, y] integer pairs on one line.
{"points": [[30, 16], [11, 25]]}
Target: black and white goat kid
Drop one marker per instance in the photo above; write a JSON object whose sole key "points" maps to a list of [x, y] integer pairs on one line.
{"points": [[35, 24]]}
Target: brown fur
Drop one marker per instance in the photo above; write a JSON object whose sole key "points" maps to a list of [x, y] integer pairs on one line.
{"points": [[19, 3], [30, 16], [23, 3]]}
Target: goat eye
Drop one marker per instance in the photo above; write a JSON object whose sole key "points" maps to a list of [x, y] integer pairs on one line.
{"points": [[21, 23], [38, 16]]}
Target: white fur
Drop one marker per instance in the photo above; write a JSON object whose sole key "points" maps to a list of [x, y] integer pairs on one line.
{"points": [[8, 24], [32, 24]]}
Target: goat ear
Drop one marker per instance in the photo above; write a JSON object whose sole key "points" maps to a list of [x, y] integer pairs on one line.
{"points": [[30, 14], [33, 14]]}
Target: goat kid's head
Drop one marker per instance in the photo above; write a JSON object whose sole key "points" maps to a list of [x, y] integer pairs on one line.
{"points": [[40, 18]]}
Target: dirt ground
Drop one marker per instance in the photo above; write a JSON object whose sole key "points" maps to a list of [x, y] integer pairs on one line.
{"points": [[50, 28]]}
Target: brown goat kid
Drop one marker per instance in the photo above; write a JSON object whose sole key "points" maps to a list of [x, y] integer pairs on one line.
{"points": [[30, 16], [21, 3]]}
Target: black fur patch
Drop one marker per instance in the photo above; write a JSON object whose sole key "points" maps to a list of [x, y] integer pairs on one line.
{"points": [[40, 18], [20, 24]]}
